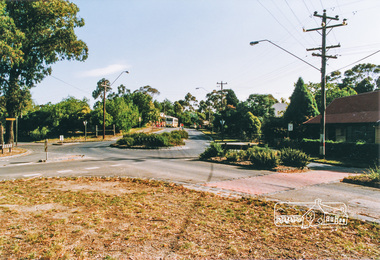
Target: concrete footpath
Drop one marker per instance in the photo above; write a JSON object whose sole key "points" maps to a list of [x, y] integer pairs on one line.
{"points": [[321, 182]]}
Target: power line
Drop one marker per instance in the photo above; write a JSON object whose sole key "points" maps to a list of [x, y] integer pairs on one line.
{"points": [[360, 60], [301, 24], [286, 29], [69, 84]]}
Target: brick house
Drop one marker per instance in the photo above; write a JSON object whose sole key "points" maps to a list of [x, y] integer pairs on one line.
{"points": [[351, 119]]}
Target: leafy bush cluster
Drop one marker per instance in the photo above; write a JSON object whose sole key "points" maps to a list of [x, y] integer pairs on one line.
{"points": [[293, 157], [267, 159], [213, 150], [264, 158], [173, 138]]}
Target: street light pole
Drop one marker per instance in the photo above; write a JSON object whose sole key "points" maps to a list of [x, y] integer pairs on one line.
{"points": [[104, 102]]}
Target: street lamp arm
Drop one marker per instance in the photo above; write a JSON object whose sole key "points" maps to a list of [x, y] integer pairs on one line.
{"points": [[126, 71], [257, 42], [202, 88]]}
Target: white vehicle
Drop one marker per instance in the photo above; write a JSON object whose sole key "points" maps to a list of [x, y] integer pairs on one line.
{"points": [[171, 121]]}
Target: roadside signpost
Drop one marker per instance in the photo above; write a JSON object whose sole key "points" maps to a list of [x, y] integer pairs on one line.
{"points": [[85, 130], [46, 148], [6, 146], [290, 128]]}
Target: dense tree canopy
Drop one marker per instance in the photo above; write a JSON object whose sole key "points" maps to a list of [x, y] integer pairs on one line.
{"points": [[45, 34], [362, 78]]}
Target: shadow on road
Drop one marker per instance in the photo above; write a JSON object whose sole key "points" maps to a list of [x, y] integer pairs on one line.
{"points": [[333, 168]]}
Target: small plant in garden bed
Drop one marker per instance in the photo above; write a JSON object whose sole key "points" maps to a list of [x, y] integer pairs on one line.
{"points": [[293, 157], [235, 156], [370, 178], [214, 150], [266, 159]]}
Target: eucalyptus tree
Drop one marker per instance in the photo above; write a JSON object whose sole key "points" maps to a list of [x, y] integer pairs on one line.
{"points": [[362, 77], [45, 34]]}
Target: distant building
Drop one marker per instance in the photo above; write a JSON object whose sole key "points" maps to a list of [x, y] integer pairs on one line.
{"points": [[352, 118]]}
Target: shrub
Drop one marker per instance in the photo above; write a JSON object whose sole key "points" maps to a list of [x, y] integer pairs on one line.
{"points": [[293, 157], [250, 151], [128, 141], [234, 156], [213, 150], [374, 173], [39, 133], [368, 153], [175, 138], [154, 140], [182, 133], [267, 159]]}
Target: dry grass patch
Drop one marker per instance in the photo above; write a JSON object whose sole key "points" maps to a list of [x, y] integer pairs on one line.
{"points": [[119, 218], [15, 151]]}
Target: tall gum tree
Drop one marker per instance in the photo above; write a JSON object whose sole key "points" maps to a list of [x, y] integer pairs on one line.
{"points": [[45, 30]]}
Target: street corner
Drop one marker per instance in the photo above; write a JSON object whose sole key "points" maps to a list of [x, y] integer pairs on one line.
{"points": [[278, 182]]}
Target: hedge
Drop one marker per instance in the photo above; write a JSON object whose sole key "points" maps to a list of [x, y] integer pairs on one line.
{"points": [[363, 152]]}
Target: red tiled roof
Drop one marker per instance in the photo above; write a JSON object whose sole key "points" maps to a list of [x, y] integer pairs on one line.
{"points": [[362, 108]]}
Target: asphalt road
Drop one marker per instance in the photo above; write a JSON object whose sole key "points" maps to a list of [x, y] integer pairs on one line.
{"points": [[180, 164], [99, 159]]}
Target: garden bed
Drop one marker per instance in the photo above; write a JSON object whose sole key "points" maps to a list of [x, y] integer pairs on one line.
{"points": [[371, 178], [152, 141], [250, 165], [263, 158]]}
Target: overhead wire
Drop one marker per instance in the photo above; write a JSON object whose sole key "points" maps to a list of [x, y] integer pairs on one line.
{"points": [[366, 57], [286, 29], [296, 29], [68, 84], [301, 23]]}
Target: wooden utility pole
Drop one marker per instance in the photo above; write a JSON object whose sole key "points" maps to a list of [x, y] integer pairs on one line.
{"points": [[324, 26], [221, 106], [106, 86]]}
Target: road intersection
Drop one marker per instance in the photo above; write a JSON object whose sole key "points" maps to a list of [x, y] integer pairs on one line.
{"points": [[181, 165]]}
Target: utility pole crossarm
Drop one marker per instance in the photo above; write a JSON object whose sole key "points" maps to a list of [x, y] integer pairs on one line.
{"points": [[326, 56], [327, 47], [325, 27]]}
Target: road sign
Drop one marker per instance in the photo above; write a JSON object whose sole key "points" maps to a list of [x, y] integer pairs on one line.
{"points": [[61, 138], [222, 122], [290, 127]]}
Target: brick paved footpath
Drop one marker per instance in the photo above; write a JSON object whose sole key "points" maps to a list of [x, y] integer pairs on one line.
{"points": [[277, 182]]}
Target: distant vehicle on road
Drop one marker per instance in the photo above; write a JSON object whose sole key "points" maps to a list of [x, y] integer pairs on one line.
{"points": [[171, 121]]}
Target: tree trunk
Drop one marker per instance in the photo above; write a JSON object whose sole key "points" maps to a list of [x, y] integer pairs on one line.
{"points": [[10, 133], [1, 133]]}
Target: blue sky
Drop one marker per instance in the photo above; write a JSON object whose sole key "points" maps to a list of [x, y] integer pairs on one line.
{"points": [[177, 46]]}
